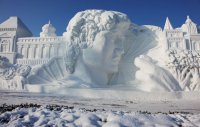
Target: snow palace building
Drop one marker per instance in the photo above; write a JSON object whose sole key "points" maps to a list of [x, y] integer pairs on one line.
{"points": [[18, 45], [187, 37]]}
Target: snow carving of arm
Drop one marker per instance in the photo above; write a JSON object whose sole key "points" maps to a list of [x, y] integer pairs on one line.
{"points": [[154, 77]]}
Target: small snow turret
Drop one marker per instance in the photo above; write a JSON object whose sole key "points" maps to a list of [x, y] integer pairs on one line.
{"points": [[189, 27], [168, 25], [48, 30]]}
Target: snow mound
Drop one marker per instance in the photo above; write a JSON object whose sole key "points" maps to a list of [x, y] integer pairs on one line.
{"points": [[78, 117]]}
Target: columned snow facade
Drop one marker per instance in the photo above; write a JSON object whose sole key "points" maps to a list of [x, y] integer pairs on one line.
{"points": [[18, 45], [186, 37], [36, 50]]}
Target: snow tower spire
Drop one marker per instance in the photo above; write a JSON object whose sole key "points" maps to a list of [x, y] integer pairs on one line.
{"points": [[168, 25]]}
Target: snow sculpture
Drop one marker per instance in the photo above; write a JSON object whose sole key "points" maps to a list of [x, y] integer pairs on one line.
{"points": [[168, 25], [185, 67], [190, 27], [13, 77], [95, 45], [40, 50], [183, 54], [101, 49], [179, 48], [154, 78], [184, 38], [48, 30], [10, 30]]}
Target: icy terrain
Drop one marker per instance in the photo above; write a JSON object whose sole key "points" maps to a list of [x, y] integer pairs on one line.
{"points": [[82, 118], [65, 111]]}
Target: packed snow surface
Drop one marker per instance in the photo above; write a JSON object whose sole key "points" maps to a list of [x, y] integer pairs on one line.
{"points": [[82, 118], [68, 111]]}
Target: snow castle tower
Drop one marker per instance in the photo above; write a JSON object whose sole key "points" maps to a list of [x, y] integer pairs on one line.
{"points": [[189, 27], [168, 25], [184, 38], [48, 30], [10, 30]]}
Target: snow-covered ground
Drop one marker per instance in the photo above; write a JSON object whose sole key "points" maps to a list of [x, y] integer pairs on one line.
{"points": [[141, 110], [82, 118]]}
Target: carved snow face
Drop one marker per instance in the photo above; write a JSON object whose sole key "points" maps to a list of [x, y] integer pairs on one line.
{"points": [[105, 52]]}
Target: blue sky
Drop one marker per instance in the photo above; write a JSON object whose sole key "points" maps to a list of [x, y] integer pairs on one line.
{"points": [[35, 13]]}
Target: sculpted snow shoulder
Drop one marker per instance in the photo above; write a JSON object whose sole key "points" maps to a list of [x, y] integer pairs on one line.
{"points": [[103, 49]]}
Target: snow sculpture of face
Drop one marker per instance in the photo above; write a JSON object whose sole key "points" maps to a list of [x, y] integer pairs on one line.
{"points": [[105, 53], [95, 44]]}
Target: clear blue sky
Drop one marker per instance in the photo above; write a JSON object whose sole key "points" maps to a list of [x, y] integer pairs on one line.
{"points": [[35, 13]]}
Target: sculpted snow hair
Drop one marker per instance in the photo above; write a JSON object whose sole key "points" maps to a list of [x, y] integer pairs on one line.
{"points": [[83, 28]]}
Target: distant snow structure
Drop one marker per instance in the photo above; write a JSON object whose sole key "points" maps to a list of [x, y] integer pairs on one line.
{"points": [[48, 30], [40, 50], [13, 77], [10, 30], [184, 38], [168, 25], [183, 50], [18, 45], [190, 27]]}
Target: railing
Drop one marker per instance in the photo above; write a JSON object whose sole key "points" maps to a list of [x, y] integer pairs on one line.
{"points": [[8, 29], [175, 38], [40, 39], [32, 61]]}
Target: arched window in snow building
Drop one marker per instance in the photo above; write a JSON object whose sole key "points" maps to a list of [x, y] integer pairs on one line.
{"points": [[4, 46]]}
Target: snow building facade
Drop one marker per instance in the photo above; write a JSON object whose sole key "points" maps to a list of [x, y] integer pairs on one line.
{"points": [[182, 46], [19, 46], [187, 37]]}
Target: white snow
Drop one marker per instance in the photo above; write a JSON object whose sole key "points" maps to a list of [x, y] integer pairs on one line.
{"points": [[121, 101], [40, 117], [99, 112], [136, 109]]}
